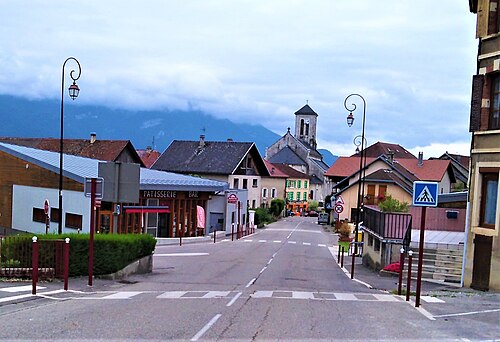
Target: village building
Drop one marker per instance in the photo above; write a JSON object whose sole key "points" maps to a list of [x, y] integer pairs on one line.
{"points": [[299, 151], [273, 186]]}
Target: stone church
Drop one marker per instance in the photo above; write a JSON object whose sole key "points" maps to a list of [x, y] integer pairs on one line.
{"points": [[299, 151]]}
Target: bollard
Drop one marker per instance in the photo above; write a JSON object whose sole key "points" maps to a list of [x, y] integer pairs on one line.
{"points": [[34, 265], [338, 255], [401, 266], [215, 235], [353, 261], [342, 258], [408, 280], [232, 231], [66, 263], [180, 237]]}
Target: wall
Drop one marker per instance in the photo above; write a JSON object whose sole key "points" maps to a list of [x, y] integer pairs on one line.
{"points": [[269, 183], [435, 219], [25, 198]]}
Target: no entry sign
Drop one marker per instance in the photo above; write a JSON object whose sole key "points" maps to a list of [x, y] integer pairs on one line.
{"points": [[46, 207]]}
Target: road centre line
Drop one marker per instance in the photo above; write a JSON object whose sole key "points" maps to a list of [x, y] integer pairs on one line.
{"points": [[250, 283], [306, 243], [263, 269], [249, 240], [270, 261], [277, 241], [292, 242], [235, 298], [206, 327], [262, 240], [180, 254]]}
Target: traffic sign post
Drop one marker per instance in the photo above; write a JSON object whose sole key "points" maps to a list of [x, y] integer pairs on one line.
{"points": [[46, 209], [425, 194]]}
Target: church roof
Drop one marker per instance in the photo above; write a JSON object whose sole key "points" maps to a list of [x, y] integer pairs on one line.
{"points": [[287, 156], [306, 110]]}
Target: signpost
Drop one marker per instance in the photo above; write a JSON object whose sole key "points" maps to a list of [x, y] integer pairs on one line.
{"points": [[232, 199], [425, 194]]}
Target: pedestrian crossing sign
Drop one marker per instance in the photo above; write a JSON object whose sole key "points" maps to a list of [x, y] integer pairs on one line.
{"points": [[425, 194]]}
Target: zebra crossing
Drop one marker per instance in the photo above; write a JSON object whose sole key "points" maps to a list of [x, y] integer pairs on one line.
{"points": [[207, 294]]}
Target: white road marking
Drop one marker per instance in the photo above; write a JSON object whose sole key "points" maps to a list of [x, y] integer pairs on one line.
{"points": [[345, 296], [302, 295], [467, 313], [262, 294], [248, 240], [277, 241], [123, 295], [430, 299], [262, 240], [234, 299], [206, 327], [263, 269], [216, 294], [321, 245], [250, 283], [23, 288], [363, 283], [275, 254], [386, 297], [27, 295], [179, 254], [306, 243], [292, 242], [172, 294], [270, 261]]}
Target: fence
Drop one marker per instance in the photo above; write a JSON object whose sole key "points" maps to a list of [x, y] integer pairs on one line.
{"points": [[386, 225], [16, 257]]}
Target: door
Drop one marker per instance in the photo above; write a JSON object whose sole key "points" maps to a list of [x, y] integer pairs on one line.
{"points": [[163, 221], [216, 222], [105, 222], [482, 262], [370, 195]]}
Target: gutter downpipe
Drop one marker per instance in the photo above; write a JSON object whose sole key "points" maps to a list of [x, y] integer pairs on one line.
{"points": [[467, 229]]}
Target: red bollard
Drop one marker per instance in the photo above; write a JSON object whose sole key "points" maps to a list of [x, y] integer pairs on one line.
{"points": [[408, 280], [401, 267], [232, 231], [180, 237], [34, 265], [342, 258], [66, 263]]}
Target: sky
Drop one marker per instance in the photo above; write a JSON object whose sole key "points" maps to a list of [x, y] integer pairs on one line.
{"points": [[259, 61]]}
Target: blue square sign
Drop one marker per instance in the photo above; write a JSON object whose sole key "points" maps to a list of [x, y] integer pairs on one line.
{"points": [[425, 194]]}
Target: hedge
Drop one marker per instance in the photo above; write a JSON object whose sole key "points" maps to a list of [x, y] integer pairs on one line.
{"points": [[112, 252]]}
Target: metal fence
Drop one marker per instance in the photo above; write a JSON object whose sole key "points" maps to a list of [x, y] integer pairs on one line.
{"points": [[386, 225]]}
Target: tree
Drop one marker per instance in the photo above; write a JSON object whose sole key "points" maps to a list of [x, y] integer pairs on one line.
{"points": [[393, 205], [277, 206], [313, 205]]}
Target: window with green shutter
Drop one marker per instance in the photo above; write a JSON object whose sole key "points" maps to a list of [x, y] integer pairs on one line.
{"points": [[299, 184], [305, 184]]}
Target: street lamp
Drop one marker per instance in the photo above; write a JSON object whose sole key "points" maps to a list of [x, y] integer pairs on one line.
{"points": [[350, 121], [73, 93]]}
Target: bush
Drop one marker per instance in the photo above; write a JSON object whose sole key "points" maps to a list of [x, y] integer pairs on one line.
{"points": [[344, 231], [390, 204], [313, 205], [112, 252], [262, 216], [277, 206]]}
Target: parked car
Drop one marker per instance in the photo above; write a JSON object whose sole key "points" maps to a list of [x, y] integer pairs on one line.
{"points": [[323, 218], [313, 213]]}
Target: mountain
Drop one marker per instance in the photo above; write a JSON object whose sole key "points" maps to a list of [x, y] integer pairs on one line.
{"points": [[41, 118]]}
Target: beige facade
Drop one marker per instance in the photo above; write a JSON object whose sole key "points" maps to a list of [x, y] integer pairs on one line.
{"points": [[483, 240], [272, 188]]}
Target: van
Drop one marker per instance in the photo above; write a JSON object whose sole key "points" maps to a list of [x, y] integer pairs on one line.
{"points": [[323, 218]]}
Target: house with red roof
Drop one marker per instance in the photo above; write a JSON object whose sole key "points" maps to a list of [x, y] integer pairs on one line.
{"points": [[273, 186]]}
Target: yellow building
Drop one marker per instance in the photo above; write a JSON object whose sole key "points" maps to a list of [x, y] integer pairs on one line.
{"points": [[296, 190]]}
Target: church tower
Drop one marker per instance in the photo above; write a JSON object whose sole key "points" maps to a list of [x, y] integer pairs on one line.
{"points": [[305, 126]]}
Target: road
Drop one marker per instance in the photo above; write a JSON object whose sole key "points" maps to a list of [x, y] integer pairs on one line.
{"points": [[280, 283]]}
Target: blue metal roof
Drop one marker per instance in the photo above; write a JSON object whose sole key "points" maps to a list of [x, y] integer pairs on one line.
{"points": [[79, 168]]}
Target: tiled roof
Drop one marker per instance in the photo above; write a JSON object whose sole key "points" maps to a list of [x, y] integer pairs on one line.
{"points": [[431, 170], [148, 157], [291, 172], [346, 166], [287, 156], [214, 157], [387, 175], [306, 110], [382, 148], [79, 168], [108, 150], [274, 171]]}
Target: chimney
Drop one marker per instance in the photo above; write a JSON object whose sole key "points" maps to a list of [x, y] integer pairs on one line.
{"points": [[420, 159], [149, 149], [202, 141], [230, 140], [93, 137], [390, 157]]}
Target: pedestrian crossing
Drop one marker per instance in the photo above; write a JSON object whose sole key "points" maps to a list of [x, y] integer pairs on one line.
{"points": [[208, 294]]}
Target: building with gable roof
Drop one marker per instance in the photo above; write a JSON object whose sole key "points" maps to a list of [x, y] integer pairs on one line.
{"points": [[273, 186], [299, 151]]}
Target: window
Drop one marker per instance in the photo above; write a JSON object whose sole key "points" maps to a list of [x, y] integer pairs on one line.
{"points": [[489, 198], [54, 214], [289, 196], [264, 192], [38, 215], [370, 240], [299, 184], [494, 120], [253, 204], [376, 248], [291, 184], [304, 196], [152, 217], [273, 192], [236, 183], [254, 183], [298, 196], [245, 183], [305, 184], [74, 221]]}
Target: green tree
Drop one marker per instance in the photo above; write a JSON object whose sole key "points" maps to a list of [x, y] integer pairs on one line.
{"points": [[277, 206], [313, 205], [393, 205]]}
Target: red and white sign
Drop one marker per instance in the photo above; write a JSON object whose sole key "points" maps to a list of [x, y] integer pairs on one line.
{"points": [[232, 199], [46, 207], [339, 200], [339, 208], [97, 203]]}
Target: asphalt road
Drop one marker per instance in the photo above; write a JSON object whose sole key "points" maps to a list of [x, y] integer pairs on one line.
{"points": [[280, 283]]}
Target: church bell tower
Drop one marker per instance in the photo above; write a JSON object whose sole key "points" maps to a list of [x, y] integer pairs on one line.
{"points": [[305, 126]]}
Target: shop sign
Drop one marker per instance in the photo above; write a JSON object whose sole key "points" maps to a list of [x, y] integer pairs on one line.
{"points": [[159, 194]]}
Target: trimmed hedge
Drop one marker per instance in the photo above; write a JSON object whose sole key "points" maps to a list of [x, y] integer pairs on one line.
{"points": [[112, 252]]}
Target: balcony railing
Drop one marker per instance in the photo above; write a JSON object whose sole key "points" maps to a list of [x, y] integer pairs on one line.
{"points": [[393, 226]]}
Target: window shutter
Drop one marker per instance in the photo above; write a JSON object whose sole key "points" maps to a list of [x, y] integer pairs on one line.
{"points": [[475, 106]]}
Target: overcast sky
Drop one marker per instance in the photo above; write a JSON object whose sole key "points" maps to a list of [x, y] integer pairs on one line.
{"points": [[259, 61]]}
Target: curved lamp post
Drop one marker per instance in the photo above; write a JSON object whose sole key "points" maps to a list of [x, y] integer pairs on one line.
{"points": [[73, 93], [350, 121]]}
